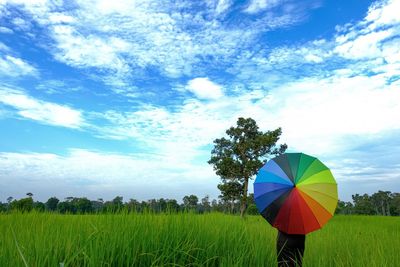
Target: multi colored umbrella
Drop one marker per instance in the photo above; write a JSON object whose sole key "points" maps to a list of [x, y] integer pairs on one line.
{"points": [[295, 193]]}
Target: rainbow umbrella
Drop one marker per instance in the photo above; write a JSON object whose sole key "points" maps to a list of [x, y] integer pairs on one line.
{"points": [[295, 193]]}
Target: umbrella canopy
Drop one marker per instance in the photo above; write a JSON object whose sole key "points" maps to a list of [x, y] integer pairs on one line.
{"points": [[295, 193]]}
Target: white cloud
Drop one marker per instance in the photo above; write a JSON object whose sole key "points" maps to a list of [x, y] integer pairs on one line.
{"points": [[41, 111], [57, 18], [203, 88], [89, 51], [313, 58], [364, 46], [325, 111], [4, 48], [99, 174], [125, 38], [365, 39], [391, 51], [15, 67], [260, 5], [383, 14], [270, 68], [134, 35], [223, 6], [181, 135], [12, 66], [318, 114], [5, 30]]}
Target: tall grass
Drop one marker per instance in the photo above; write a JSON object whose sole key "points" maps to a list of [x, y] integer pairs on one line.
{"points": [[40, 239]]}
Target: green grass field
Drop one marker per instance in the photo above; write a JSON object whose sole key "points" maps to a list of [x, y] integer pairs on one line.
{"points": [[36, 239]]}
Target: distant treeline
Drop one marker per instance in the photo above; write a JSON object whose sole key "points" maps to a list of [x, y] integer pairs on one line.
{"points": [[381, 203], [82, 205]]}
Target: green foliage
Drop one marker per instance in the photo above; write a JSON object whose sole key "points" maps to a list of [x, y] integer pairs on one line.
{"points": [[39, 206], [190, 202], [344, 207], [238, 158], [52, 203], [83, 205], [395, 204], [252, 209], [24, 204], [363, 204], [66, 207], [383, 203], [187, 239], [380, 203], [3, 207], [230, 192]]}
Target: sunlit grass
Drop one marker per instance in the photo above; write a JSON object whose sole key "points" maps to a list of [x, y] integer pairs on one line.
{"points": [[187, 240]]}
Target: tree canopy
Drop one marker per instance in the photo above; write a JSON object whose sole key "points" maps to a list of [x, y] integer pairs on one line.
{"points": [[238, 157]]}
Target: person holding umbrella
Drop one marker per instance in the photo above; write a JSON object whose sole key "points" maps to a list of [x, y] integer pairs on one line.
{"points": [[296, 194], [290, 249]]}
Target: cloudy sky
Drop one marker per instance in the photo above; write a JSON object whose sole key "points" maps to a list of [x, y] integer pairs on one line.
{"points": [[106, 98]]}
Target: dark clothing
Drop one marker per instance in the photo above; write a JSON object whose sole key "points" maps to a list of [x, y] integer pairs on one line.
{"points": [[290, 249]]}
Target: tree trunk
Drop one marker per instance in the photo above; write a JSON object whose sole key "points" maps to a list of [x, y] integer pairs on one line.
{"points": [[244, 198]]}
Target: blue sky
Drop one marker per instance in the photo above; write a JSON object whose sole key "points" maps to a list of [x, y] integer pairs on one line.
{"points": [[106, 98]]}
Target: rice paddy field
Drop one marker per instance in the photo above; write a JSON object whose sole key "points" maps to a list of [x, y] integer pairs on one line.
{"points": [[44, 239]]}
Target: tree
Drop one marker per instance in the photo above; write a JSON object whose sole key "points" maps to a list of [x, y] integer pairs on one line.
{"points": [[115, 205], [82, 205], [3, 207], [243, 153], [52, 203], [9, 200], [190, 202], [252, 207], [133, 205], [395, 204], [363, 204], [39, 206], [97, 205], [344, 207], [65, 207], [172, 205], [117, 201], [381, 202], [230, 192], [205, 204], [24, 204]]}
